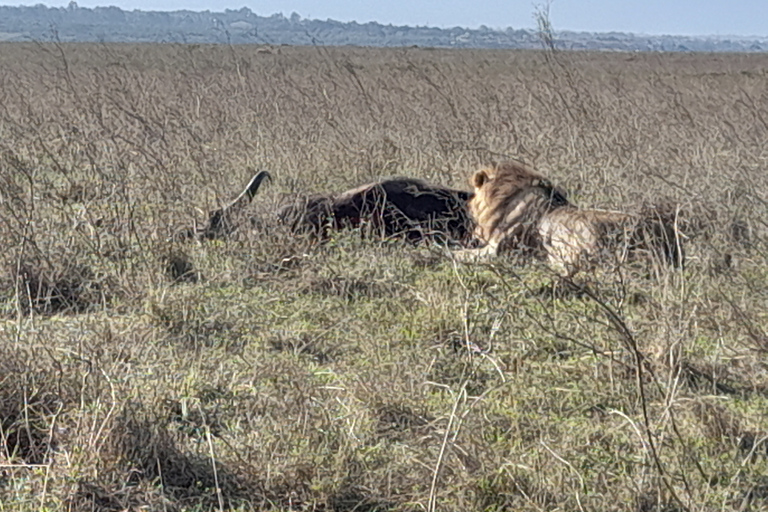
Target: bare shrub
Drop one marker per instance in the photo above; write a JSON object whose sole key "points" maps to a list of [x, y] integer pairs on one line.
{"points": [[69, 289], [30, 402]]}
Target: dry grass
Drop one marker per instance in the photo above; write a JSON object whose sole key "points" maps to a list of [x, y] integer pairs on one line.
{"points": [[263, 372]]}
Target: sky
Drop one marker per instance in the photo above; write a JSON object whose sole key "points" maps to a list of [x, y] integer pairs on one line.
{"points": [[676, 17]]}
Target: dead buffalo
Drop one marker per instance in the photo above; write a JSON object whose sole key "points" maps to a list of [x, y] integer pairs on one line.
{"points": [[399, 207]]}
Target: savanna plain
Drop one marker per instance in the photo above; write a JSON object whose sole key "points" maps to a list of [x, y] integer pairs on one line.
{"points": [[267, 371]]}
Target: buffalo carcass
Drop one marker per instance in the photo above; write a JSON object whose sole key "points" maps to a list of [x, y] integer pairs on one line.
{"points": [[406, 208], [399, 207]]}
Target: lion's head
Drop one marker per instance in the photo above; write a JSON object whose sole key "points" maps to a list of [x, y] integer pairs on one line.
{"points": [[509, 197]]}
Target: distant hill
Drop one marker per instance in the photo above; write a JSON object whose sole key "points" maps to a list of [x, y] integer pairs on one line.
{"points": [[112, 24]]}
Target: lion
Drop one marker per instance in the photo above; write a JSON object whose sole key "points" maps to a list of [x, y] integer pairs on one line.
{"points": [[515, 208]]}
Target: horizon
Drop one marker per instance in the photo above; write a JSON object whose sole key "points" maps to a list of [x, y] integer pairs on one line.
{"points": [[652, 17]]}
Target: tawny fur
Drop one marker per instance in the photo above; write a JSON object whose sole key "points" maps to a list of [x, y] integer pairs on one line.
{"points": [[572, 237], [576, 239], [517, 209], [508, 203]]}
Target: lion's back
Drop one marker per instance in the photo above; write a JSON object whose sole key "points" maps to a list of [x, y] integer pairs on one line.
{"points": [[571, 236]]}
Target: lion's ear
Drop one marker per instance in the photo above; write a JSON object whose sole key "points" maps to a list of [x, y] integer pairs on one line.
{"points": [[479, 179]]}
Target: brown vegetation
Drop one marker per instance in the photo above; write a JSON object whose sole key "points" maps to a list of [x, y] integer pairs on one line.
{"points": [[270, 372]]}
